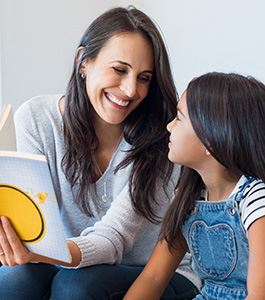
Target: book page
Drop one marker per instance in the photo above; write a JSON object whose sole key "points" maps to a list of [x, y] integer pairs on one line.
{"points": [[27, 198]]}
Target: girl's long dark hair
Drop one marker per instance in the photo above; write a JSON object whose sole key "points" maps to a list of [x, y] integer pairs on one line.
{"points": [[144, 128], [227, 112]]}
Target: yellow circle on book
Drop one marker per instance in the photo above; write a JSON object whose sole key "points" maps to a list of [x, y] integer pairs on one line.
{"points": [[23, 212]]}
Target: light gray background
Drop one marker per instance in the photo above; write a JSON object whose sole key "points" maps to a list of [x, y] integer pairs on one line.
{"points": [[38, 40]]}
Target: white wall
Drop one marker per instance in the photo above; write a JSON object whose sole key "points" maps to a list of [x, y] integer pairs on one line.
{"points": [[38, 43], [38, 39], [211, 35]]}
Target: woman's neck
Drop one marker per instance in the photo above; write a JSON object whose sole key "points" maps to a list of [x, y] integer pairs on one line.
{"points": [[109, 137], [108, 134]]}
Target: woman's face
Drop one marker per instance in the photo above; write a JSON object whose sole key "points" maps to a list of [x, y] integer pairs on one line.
{"points": [[118, 80], [185, 147]]}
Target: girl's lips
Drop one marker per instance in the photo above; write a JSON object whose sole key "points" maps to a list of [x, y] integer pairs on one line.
{"points": [[118, 101], [169, 142]]}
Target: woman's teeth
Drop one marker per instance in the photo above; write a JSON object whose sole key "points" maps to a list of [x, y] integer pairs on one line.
{"points": [[117, 101]]}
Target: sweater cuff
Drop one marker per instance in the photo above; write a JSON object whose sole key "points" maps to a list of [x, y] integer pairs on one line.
{"points": [[86, 248]]}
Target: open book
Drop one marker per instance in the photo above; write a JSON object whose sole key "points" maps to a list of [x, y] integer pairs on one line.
{"points": [[7, 129], [27, 196]]}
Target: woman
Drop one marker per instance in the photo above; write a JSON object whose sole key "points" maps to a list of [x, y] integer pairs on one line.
{"points": [[105, 143]]}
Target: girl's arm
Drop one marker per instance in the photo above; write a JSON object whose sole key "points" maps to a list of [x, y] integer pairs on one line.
{"points": [[256, 268], [157, 273]]}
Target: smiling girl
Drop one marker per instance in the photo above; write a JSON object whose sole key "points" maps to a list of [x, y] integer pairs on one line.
{"points": [[218, 212]]}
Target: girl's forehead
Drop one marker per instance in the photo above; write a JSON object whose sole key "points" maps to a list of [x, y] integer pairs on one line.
{"points": [[183, 99]]}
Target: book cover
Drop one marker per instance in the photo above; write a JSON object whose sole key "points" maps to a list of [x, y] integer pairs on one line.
{"points": [[28, 199]]}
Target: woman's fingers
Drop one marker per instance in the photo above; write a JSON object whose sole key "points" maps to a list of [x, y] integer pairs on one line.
{"points": [[4, 245], [14, 251]]}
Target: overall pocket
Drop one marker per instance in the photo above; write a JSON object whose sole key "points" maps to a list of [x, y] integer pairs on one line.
{"points": [[213, 248]]}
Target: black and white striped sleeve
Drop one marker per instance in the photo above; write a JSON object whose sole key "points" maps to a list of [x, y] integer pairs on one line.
{"points": [[252, 206]]}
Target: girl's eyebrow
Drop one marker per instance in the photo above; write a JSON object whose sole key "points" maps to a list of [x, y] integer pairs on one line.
{"points": [[127, 64], [181, 112]]}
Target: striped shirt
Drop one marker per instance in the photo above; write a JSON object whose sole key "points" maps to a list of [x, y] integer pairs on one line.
{"points": [[252, 205]]}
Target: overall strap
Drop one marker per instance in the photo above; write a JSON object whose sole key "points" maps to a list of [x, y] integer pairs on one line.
{"points": [[239, 194]]}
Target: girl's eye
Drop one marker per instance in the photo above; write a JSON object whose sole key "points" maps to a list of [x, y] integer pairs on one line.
{"points": [[119, 71]]}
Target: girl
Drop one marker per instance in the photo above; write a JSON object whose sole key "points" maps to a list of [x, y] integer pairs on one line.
{"points": [[219, 205], [105, 141]]}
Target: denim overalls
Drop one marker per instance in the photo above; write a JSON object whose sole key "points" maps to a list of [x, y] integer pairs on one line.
{"points": [[219, 247]]}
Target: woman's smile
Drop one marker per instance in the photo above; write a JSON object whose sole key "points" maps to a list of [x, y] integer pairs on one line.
{"points": [[117, 101]]}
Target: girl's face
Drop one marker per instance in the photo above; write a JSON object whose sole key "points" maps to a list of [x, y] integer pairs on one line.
{"points": [[185, 148], [118, 80]]}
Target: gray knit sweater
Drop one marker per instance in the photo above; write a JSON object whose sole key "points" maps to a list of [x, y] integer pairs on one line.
{"points": [[116, 234]]}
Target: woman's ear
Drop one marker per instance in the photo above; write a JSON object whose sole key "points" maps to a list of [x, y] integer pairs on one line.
{"points": [[79, 53]]}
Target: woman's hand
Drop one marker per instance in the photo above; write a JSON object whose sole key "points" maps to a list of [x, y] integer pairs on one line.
{"points": [[12, 250]]}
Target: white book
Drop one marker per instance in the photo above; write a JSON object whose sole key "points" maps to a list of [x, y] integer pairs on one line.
{"points": [[27, 196]]}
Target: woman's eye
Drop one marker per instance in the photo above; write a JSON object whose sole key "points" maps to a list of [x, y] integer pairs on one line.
{"points": [[145, 78], [119, 71]]}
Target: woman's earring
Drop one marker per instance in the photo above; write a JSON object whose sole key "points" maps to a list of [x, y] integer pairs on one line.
{"points": [[82, 76], [208, 153]]}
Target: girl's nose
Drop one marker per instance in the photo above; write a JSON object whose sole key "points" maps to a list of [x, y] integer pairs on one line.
{"points": [[169, 126]]}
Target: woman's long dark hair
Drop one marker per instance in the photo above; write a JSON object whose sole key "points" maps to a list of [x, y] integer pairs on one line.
{"points": [[144, 128], [227, 112]]}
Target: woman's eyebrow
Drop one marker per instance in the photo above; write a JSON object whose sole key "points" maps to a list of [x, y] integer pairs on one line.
{"points": [[122, 62]]}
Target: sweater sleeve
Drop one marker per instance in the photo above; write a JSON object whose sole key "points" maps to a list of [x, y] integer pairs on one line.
{"points": [[113, 236]]}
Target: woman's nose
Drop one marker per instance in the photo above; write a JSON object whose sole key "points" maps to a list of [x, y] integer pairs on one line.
{"points": [[129, 86]]}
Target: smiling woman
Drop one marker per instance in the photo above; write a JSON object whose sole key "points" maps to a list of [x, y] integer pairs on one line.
{"points": [[106, 144], [127, 73]]}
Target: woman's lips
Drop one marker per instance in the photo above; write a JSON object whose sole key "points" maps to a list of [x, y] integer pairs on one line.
{"points": [[118, 101]]}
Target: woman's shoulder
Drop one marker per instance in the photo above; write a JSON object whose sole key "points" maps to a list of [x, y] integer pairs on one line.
{"points": [[40, 103], [39, 108], [37, 122]]}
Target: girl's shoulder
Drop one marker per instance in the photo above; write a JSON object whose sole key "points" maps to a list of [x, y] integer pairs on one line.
{"points": [[252, 205]]}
